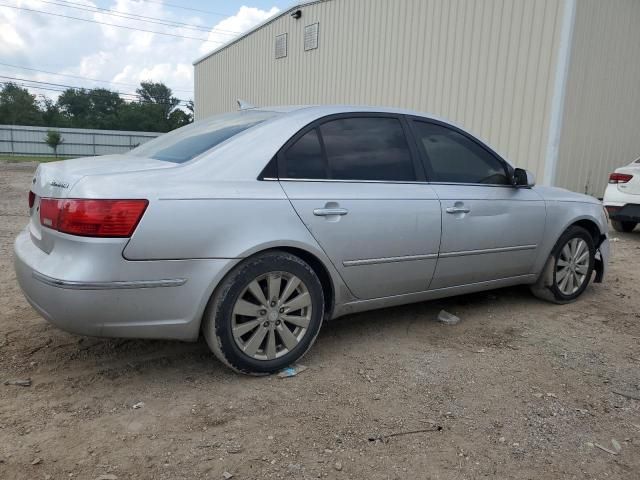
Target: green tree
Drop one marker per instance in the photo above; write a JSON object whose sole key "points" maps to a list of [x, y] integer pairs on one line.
{"points": [[139, 116], [158, 93], [156, 109], [159, 105], [53, 139], [179, 118], [18, 106], [105, 106], [52, 116], [76, 105], [96, 108]]}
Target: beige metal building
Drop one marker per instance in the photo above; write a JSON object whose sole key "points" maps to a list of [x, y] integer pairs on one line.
{"points": [[554, 85]]}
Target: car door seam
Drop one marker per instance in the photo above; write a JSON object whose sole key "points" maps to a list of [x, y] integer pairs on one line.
{"points": [[435, 269], [317, 242]]}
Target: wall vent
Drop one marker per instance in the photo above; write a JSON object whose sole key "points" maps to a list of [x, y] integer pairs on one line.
{"points": [[281, 45], [311, 36]]}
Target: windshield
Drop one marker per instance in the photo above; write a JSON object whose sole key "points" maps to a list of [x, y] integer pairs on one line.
{"points": [[188, 142]]}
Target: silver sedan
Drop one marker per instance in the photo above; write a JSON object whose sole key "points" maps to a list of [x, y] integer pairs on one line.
{"points": [[254, 227]]}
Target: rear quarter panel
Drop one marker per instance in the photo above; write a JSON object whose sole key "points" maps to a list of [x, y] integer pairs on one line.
{"points": [[231, 221], [234, 220]]}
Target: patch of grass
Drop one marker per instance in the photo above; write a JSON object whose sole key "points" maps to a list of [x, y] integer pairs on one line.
{"points": [[35, 158]]}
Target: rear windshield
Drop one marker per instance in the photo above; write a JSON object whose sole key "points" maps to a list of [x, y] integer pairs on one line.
{"points": [[188, 142]]}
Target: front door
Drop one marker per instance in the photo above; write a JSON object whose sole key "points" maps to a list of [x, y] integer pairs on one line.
{"points": [[356, 185], [490, 229]]}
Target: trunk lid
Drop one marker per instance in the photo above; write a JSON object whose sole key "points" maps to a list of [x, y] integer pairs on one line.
{"points": [[57, 179], [632, 186]]}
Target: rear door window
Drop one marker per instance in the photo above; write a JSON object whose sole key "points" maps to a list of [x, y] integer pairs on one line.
{"points": [[353, 148], [304, 159], [367, 148]]}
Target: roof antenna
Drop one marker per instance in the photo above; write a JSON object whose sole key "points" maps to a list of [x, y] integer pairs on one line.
{"points": [[244, 105]]}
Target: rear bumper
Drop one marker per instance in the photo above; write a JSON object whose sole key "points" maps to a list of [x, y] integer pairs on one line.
{"points": [[92, 290], [629, 212]]}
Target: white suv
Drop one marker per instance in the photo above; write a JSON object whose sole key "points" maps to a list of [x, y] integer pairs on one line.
{"points": [[622, 197]]}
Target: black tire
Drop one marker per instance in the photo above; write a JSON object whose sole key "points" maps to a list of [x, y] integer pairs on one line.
{"points": [[625, 227], [218, 317], [547, 286]]}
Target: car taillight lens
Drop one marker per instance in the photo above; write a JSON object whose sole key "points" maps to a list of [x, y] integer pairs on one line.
{"points": [[619, 178], [92, 218], [32, 199], [611, 210]]}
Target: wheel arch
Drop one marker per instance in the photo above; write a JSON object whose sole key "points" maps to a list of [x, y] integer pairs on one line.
{"points": [[598, 237], [324, 272], [320, 269], [590, 226]]}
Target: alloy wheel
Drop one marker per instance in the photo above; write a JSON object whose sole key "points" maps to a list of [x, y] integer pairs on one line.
{"points": [[271, 315], [572, 266]]}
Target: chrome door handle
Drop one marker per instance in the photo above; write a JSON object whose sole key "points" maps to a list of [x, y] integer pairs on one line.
{"points": [[458, 210], [325, 212]]}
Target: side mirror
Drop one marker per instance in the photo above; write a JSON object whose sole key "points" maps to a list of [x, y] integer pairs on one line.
{"points": [[523, 178]]}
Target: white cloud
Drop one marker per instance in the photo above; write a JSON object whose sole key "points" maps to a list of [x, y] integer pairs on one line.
{"points": [[161, 70], [94, 64], [246, 18], [109, 53], [9, 38]]}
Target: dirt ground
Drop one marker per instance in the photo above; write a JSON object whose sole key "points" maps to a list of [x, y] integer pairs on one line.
{"points": [[519, 389]]}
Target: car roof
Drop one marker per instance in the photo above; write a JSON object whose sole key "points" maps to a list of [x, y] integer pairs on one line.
{"points": [[323, 110], [320, 111]]}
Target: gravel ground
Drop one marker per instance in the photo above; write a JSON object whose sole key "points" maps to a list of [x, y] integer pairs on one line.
{"points": [[518, 389]]}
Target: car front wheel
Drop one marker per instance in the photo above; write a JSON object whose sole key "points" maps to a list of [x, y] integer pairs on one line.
{"points": [[569, 268], [625, 227], [266, 314]]}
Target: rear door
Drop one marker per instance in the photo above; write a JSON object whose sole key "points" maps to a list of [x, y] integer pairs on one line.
{"points": [[359, 188], [490, 229]]}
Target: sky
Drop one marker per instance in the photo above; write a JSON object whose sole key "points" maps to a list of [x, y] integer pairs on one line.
{"points": [[73, 51]]}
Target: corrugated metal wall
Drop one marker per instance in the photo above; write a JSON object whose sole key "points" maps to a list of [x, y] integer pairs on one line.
{"points": [[487, 65], [76, 142], [601, 124]]}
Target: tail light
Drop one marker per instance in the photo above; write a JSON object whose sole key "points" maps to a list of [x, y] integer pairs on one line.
{"points": [[619, 178], [32, 199], [92, 218], [611, 210]]}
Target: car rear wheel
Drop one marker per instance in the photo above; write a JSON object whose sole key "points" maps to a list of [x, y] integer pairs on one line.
{"points": [[569, 268], [626, 227], [266, 314]]}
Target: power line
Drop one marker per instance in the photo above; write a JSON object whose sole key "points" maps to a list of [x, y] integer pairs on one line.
{"points": [[110, 24], [59, 90], [62, 88], [137, 17], [34, 87], [172, 5], [85, 78], [58, 86]]}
